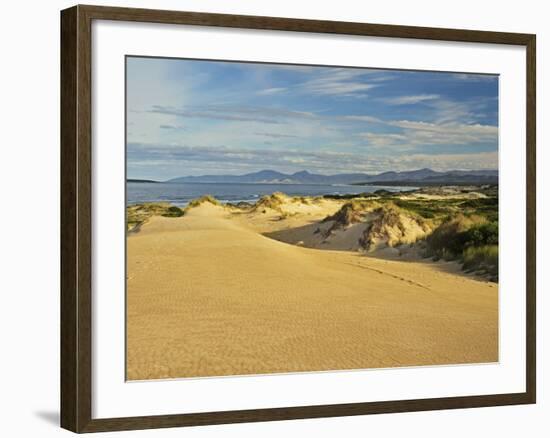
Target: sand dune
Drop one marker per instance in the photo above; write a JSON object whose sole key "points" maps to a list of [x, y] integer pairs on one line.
{"points": [[210, 295]]}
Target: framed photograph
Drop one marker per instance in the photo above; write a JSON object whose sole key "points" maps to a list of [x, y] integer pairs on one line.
{"points": [[269, 218]]}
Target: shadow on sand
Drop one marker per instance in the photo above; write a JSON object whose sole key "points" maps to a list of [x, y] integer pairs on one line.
{"points": [[410, 254]]}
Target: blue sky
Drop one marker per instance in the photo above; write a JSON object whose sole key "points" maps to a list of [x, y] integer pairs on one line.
{"points": [[189, 117]]}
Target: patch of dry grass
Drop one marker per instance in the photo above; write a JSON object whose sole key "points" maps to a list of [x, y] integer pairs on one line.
{"points": [[137, 215], [481, 258], [203, 199], [393, 226], [274, 202], [447, 240], [352, 212]]}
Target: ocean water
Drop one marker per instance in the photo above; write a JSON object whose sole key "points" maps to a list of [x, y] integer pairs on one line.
{"points": [[181, 193]]}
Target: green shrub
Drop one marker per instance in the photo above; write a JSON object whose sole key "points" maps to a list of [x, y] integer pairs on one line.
{"points": [[138, 214], [480, 203], [427, 209], [483, 258], [470, 239], [487, 207], [173, 211], [452, 235], [483, 234]]}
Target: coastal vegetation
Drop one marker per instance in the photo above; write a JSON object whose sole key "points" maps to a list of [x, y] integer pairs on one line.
{"points": [[472, 240], [449, 223], [137, 215], [441, 223], [202, 200], [273, 201]]}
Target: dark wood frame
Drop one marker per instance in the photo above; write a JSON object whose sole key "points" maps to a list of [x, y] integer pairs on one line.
{"points": [[76, 168]]}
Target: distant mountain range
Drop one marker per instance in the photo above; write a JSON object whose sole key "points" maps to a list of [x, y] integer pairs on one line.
{"points": [[420, 177]]}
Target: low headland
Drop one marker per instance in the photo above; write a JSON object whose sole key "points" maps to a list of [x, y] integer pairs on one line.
{"points": [[290, 284]]}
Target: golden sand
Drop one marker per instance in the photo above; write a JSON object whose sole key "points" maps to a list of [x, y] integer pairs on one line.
{"points": [[210, 295]]}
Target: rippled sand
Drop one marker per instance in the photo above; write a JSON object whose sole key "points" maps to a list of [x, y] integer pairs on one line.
{"points": [[208, 295]]}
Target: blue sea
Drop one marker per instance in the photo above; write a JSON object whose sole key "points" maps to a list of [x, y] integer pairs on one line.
{"points": [[181, 193]]}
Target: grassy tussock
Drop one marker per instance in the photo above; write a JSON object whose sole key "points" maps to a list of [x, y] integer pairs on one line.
{"points": [[242, 205], [352, 212], [173, 211], [279, 201], [203, 199], [303, 200], [393, 226], [387, 224], [481, 258], [472, 240], [448, 240], [274, 202], [136, 215]]}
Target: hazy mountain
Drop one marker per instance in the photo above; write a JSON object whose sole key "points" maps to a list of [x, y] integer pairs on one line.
{"points": [[412, 175], [304, 177]]}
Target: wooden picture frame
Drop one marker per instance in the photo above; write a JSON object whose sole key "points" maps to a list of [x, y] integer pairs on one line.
{"points": [[76, 218]]}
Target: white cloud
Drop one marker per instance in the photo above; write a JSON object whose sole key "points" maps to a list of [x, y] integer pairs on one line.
{"points": [[270, 91], [382, 140], [422, 134], [363, 118], [178, 160], [337, 82], [410, 100], [473, 161], [215, 113], [455, 127], [165, 126], [475, 77], [275, 135]]}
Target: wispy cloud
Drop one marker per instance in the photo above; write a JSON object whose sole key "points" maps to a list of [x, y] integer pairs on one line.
{"points": [[423, 134], [180, 159], [383, 140], [275, 135], [172, 127], [270, 91], [230, 117], [471, 161], [237, 113], [448, 111], [210, 113], [410, 100], [362, 118], [456, 128], [474, 77], [338, 82]]}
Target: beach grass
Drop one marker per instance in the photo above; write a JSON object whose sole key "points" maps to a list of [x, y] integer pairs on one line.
{"points": [[447, 224], [482, 259], [203, 199]]}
